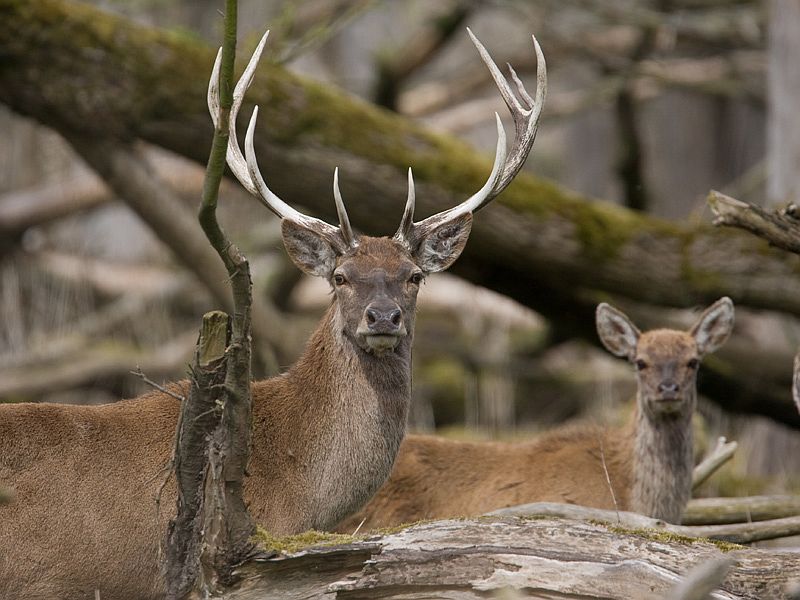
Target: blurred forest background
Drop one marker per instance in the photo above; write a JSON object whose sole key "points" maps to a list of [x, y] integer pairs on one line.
{"points": [[650, 105]]}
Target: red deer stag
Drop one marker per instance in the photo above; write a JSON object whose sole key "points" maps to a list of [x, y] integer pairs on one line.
{"points": [[645, 467], [325, 433]]}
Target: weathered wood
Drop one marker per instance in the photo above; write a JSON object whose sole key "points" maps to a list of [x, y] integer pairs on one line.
{"points": [[200, 415], [542, 558]]}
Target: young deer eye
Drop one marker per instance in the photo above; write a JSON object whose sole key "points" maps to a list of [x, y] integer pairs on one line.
{"points": [[416, 278], [693, 364], [339, 279], [640, 365]]}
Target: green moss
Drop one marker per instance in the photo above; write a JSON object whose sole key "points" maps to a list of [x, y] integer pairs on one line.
{"points": [[294, 543], [669, 537]]}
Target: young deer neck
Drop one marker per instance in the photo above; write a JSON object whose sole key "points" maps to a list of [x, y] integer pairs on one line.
{"points": [[663, 460]]}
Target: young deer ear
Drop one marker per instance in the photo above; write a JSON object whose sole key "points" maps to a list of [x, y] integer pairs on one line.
{"points": [[616, 331], [308, 249], [443, 245], [714, 326]]}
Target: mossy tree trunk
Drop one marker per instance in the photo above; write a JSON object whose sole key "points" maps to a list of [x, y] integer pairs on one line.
{"points": [[549, 249]]}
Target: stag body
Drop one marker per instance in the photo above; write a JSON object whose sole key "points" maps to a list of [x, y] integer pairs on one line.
{"points": [[645, 467], [325, 433]]}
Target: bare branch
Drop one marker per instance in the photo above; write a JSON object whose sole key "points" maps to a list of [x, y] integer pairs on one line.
{"points": [[140, 374], [778, 228], [721, 453]]}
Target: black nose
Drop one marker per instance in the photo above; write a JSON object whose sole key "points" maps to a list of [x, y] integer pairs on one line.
{"points": [[668, 387], [384, 320]]}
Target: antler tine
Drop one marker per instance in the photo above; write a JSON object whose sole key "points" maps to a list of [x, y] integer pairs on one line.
{"points": [[474, 202], [245, 168], [236, 161], [344, 220], [407, 222], [525, 112], [275, 204]]}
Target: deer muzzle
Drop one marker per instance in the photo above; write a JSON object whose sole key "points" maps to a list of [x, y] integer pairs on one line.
{"points": [[381, 328]]}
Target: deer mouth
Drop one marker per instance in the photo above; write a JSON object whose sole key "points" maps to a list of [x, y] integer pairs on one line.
{"points": [[380, 343], [668, 404]]}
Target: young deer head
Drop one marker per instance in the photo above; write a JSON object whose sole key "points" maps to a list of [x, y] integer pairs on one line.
{"points": [[666, 360], [666, 364]]}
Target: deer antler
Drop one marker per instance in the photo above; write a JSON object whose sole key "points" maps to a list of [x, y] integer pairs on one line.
{"points": [[525, 112], [246, 169]]}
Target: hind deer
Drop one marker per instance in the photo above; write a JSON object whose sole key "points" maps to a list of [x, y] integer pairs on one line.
{"points": [[645, 467], [325, 433]]}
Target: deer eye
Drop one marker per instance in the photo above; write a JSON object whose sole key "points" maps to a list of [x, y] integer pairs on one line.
{"points": [[640, 365], [693, 364], [416, 278], [339, 279]]}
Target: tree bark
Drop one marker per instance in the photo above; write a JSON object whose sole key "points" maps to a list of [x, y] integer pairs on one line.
{"points": [[545, 247], [543, 558]]}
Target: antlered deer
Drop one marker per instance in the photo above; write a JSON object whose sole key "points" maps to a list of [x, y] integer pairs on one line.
{"points": [[325, 433], [645, 467]]}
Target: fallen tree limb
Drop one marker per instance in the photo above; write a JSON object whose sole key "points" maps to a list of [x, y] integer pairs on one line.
{"points": [[546, 557], [779, 228], [721, 453], [703, 511], [40, 204], [29, 382], [737, 533]]}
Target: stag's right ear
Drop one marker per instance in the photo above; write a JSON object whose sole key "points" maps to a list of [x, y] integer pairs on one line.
{"points": [[308, 249], [443, 244], [616, 331]]}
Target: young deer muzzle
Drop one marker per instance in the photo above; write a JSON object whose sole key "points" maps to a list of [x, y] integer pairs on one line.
{"points": [[325, 433], [645, 467]]}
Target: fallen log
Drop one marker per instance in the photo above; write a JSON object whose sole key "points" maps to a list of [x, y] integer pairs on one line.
{"points": [[544, 558]]}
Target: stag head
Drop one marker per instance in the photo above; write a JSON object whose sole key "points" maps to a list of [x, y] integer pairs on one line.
{"points": [[375, 280]]}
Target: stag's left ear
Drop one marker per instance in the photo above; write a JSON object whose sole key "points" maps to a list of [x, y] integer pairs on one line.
{"points": [[714, 326], [310, 250], [443, 245]]}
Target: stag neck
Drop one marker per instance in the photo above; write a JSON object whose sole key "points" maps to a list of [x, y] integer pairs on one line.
{"points": [[330, 355], [663, 458]]}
